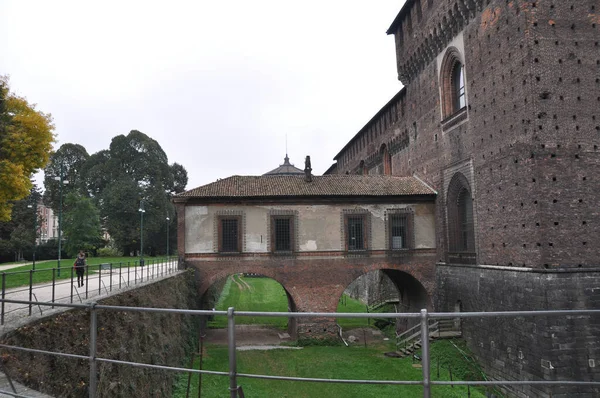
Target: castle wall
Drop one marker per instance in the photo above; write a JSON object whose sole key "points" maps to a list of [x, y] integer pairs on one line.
{"points": [[528, 146], [528, 348]]}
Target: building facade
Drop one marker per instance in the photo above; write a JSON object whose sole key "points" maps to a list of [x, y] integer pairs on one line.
{"points": [[313, 236], [500, 114]]}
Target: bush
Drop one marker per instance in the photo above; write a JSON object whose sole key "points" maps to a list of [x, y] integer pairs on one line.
{"points": [[107, 252]]}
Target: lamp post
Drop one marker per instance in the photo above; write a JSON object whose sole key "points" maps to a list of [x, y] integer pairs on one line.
{"points": [[168, 219], [142, 211], [62, 181], [35, 216]]}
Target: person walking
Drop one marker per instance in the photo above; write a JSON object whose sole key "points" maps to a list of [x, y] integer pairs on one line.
{"points": [[79, 265]]}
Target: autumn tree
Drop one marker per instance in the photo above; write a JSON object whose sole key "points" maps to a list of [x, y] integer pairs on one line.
{"points": [[26, 137]]}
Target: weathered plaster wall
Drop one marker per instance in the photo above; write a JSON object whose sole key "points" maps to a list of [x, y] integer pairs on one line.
{"points": [[319, 226]]}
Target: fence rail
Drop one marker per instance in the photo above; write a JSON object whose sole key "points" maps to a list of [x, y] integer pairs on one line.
{"points": [[99, 279], [234, 388]]}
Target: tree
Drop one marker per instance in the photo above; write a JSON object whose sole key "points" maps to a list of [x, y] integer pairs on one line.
{"points": [[81, 224], [135, 168], [17, 236], [70, 159], [26, 137]]}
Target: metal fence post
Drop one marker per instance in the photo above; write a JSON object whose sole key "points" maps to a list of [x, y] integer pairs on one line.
{"points": [[232, 361], [93, 336], [110, 277], [3, 295], [72, 268], [30, 290], [53, 285], [99, 279], [425, 354], [120, 267]]}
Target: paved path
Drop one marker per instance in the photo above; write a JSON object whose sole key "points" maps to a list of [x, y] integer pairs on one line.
{"points": [[99, 284]]}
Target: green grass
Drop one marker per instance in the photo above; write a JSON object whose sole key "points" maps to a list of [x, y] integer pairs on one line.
{"points": [[348, 304], [319, 362], [252, 294], [19, 276]]}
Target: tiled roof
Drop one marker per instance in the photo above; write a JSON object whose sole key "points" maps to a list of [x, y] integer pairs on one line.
{"points": [[295, 186]]}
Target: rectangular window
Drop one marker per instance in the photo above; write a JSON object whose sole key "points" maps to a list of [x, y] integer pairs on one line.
{"points": [[355, 232], [398, 232], [282, 237], [229, 235]]}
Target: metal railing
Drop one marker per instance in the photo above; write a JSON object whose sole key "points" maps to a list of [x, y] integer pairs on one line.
{"points": [[234, 389], [99, 279]]}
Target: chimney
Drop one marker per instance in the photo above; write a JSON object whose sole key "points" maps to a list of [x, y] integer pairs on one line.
{"points": [[307, 170]]}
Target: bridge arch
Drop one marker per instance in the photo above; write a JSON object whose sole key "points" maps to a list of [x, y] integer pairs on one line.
{"points": [[212, 284]]}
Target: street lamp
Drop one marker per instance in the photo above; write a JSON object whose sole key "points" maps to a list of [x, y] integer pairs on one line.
{"points": [[142, 211], [65, 182], [35, 216], [168, 219]]}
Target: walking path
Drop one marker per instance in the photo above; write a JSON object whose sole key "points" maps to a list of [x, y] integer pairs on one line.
{"points": [[108, 282]]}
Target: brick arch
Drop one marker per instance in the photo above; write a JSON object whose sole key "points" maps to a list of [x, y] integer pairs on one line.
{"points": [[453, 59], [209, 279]]}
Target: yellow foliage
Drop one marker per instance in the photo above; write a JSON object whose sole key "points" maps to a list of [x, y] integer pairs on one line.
{"points": [[26, 137]]}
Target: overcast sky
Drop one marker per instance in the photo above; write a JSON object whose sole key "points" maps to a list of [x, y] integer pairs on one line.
{"points": [[218, 84]]}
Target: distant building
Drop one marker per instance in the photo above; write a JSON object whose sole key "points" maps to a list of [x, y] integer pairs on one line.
{"points": [[47, 224], [285, 169]]}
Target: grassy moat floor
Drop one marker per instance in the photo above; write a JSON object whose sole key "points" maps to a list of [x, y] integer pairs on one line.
{"points": [[449, 358]]}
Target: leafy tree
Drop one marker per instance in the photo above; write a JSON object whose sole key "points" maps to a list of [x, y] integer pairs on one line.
{"points": [[71, 158], [26, 137], [135, 168], [81, 224], [17, 236]]}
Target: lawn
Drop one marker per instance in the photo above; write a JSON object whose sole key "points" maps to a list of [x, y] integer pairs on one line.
{"points": [[338, 362], [19, 276], [252, 294]]}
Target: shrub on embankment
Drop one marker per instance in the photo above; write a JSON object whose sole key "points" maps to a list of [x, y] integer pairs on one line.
{"points": [[161, 339]]}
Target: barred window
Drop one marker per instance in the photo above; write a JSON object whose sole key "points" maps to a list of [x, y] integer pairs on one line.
{"points": [[282, 237], [398, 232], [400, 229], [356, 236], [229, 234]]}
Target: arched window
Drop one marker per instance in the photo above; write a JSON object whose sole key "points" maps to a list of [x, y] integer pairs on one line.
{"points": [[459, 205], [452, 83]]}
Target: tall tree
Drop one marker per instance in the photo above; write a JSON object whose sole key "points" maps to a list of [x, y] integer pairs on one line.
{"points": [[69, 160], [134, 169], [81, 224], [26, 137]]}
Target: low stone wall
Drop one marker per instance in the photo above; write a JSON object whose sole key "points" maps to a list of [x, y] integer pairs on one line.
{"points": [[161, 339], [528, 348]]}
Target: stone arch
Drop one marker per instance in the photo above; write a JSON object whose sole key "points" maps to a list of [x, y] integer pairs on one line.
{"points": [[459, 207], [452, 82]]}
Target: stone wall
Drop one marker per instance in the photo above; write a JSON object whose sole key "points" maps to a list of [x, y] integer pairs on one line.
{"points": [[161, 339], [528, 348]]}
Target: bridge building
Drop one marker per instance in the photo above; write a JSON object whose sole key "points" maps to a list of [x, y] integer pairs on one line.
{"points": [[313, 235], [500, 114]]}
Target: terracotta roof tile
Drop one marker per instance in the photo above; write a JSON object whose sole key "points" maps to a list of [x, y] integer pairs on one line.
{"points": [[295, 186]]}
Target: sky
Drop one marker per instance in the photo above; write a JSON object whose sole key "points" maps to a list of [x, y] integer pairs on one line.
{"points": [[221, 85]]}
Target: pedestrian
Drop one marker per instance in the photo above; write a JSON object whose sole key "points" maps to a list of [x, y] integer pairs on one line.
{"points": [[79, 265]]}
